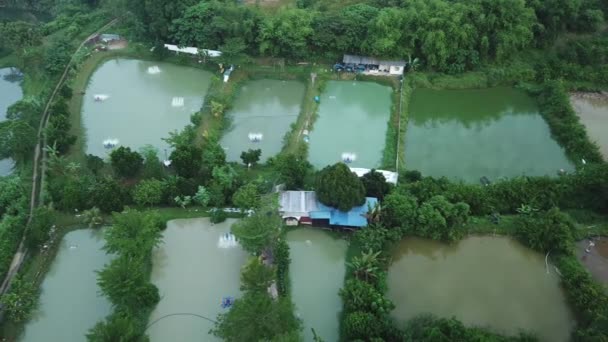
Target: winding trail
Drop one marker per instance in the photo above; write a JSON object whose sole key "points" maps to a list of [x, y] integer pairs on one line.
{"points": [[39, 165]]}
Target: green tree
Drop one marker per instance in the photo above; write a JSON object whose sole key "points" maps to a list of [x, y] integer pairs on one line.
{"points": [[360, 325], [118, 327], [94, 163], [546, 231], [58, 55], [292, 170], [287, 33], [153, 168], [375, 185], [40, 226], [247, 197], [213, 156], [20, 301], [255, 276], [109, 195], [259, 230], [202, 196], [338, 187], [366, 266], [92, 217], [126, 163], [133, 233], [256, 317], [20, 36], [148, 192], [399, 210], [187, 160], [125, 283], [441, 220], [251, 157], [17, 140]]}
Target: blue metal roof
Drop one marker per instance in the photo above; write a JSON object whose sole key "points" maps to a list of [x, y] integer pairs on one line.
{"points": [[353, 218]]}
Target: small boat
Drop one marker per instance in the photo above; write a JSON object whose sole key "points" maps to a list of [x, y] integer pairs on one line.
{"points": [[100, 97]]}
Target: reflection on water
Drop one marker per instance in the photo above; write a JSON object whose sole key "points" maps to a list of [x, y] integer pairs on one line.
{"points": [[468, 134], [193, 274], [10, 92], [353, 118], [263, 109], [484, 281], [317, 272], [125, 102], [70, 300]]}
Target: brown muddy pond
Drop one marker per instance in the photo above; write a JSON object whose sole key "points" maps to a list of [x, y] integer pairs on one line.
{"points": [[493, 282], [593, 112]]}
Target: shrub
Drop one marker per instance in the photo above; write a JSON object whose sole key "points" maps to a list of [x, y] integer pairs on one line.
{"points": [[338, 187]]}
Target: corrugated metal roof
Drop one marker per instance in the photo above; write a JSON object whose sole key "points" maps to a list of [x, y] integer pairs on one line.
{"points": [[304, 204], [354, 59]]}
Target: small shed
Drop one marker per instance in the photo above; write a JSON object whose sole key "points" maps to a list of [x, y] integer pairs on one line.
{"points": [[392, 67], [108, 37]]}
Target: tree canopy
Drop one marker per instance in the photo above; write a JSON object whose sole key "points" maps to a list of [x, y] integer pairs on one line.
{"points": [[338, 187]]}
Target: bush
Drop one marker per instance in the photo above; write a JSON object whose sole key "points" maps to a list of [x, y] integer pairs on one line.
{"points": [[282, 260], [148, 192], [126, 163], [218, 215], [546, 231]]}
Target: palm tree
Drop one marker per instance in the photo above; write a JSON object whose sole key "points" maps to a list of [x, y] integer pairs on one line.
{"points": [[413, 63], [92, 217], [365, 267]]}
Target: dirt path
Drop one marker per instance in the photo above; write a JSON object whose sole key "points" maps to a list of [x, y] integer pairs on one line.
{"points": [[39, 166]]}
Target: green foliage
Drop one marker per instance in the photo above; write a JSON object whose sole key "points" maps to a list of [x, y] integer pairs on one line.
{"points": [[399, 210], [126, 279], [251, 157], [17, 139], [58, 132], [366, 266], [256, 317], [259, 230], [58, 55], [118, 327], [286, 34], [218, 216], [94, 163], [429, 328], [361, 325], [92, 217], [292, 170], [202, 196], [109, 195], [213, 156], [247, 197], [40, 226], [12, 195], [441, 220], [148, 192], [19, 36], [11, 230], [565, 125], [547, 231], [152, 168], [282, 260], [186, 160], [255, 276], [338, 187], [19, 302], [359, 295], [126, 163], [375, 185]]}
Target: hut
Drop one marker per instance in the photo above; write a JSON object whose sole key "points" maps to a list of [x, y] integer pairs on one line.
{"points": [[371, 65], [303, 208]]}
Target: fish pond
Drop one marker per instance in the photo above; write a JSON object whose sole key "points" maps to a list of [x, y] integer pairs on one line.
{"points": [[353, 120], [593, 112], [138, 103], [70, 300], [196, 266], [469, 134], [493, 282], [317, 272], [261, 116], [10, 92]]}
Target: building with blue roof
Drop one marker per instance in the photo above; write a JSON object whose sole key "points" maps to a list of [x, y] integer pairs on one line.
{"points": [[302, 207]]}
